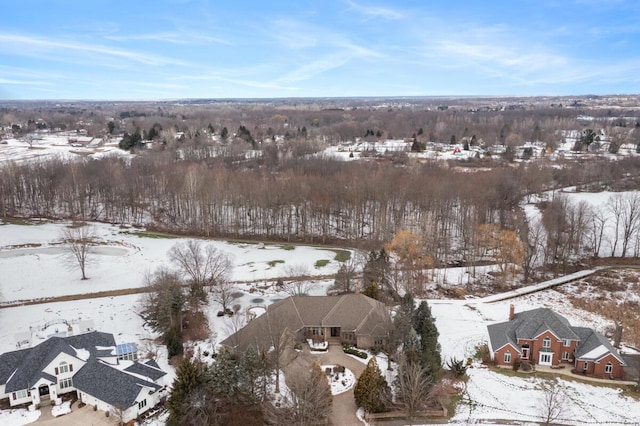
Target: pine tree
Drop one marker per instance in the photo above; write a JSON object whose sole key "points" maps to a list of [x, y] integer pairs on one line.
{"points": [[372, 391], [224, 375], [189, 377], [425, 326]]}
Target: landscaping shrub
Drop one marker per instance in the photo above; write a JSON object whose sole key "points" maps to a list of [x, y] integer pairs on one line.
{"points": [[353, 351]]}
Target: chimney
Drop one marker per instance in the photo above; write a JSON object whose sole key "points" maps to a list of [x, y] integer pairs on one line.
{"points": [[512, 312]]}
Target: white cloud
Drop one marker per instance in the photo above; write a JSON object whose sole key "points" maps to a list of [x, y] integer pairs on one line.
{"points": [[375, 11], [170, 37], [60, 49]]}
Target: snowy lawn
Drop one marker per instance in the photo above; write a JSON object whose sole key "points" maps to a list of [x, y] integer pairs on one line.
{"points": [[31, 259], [340, 382], [62, 409], [493, 396], [18, 417]]}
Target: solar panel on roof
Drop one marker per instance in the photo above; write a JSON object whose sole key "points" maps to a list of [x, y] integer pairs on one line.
{"points": [[126, 348]]}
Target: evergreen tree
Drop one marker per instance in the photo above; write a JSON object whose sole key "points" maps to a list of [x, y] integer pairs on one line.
{"points": [[224, 133], [377, 268], [372, 391], [224, 375], [190, 376], [254, 374], [425, 326]]}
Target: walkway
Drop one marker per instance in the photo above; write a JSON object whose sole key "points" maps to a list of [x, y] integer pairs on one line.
{"points": [[344, 405], [567, 372]]}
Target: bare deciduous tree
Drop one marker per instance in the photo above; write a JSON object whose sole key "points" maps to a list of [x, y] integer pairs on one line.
{"points": [[309, 399], [80, 241], [413, 388], [552, 402], [204, 265], [297, 284]]}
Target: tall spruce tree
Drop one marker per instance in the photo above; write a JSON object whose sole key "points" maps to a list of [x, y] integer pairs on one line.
{"points": [[372, 391], [424, 324], [190, 377]]}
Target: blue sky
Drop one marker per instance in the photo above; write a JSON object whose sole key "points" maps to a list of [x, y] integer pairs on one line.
{"points": [[159, 49]]}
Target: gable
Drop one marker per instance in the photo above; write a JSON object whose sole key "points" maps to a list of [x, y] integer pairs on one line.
{"points": [[351, 312], [29, 364], [111, 385], [74, 364]]}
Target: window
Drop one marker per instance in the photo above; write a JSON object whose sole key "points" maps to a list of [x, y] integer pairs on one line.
{"points": [[608, 368], [65, 383], [565, 355], [507, 357], [585, 366], [567, 342], [63, 368], [546, 342], [19, 394], [142, 404]]}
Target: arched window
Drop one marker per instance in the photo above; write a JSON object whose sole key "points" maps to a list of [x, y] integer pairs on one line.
{"points": [[608, 368], [546, 342], [507, 357]]}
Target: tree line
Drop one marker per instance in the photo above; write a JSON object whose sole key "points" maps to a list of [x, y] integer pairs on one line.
{"points": [[312, 201]]}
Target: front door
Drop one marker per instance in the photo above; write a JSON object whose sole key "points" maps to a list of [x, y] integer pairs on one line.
{"points": [[335, 331], [43, 390], [546, 358]]}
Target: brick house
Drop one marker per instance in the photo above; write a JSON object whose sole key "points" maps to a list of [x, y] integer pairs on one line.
{"points": [[542, 337]]}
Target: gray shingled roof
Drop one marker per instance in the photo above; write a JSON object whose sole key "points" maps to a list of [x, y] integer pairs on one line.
{"points": [[110, 385], [146, 370], [28, 367], [351, 312], [590, 340], [530, 324]]}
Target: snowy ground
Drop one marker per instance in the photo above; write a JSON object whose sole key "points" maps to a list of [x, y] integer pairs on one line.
{"points": [[491, 396], [54, 146], [33, 266]]}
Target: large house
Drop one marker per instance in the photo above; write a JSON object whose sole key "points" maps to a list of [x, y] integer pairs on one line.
{"points": [[353, 318], [541, 336], [90, 364]]}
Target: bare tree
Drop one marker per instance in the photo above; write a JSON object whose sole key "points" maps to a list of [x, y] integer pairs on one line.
{"points": [[204, 265], [297, 284], [414, 388], [223, 294], [279, 339], [552, 403], [118, 412], [80, 241], [309, 398]]}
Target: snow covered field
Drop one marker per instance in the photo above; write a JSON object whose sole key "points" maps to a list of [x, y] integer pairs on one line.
{"points": [[54, 146], [31, 258]]}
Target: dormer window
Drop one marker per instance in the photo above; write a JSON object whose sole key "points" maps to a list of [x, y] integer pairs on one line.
{"points": [[64, 368]]}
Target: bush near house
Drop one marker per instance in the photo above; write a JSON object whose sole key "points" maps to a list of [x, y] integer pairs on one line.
{"points": [[353, 351]]}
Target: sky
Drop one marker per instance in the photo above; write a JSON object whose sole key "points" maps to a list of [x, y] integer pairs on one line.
{"points": [[168, 49]]}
